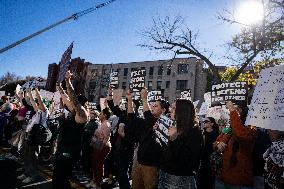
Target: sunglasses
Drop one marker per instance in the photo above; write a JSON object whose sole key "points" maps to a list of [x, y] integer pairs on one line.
{"points": [[206, 121]]}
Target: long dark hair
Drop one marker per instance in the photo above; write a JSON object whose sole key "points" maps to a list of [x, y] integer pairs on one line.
{"points": [[215, 126], [185, 116]]}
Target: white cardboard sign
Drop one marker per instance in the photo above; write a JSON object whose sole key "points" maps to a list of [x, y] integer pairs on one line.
{"points": [[267, 105]]}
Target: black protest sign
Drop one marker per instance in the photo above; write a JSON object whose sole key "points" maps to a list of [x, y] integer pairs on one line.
{"points": [[154, 96], [237, 92], [161, 130], [113, 80], [185, 94], [92, 106], [57, 113], [137, 82]]}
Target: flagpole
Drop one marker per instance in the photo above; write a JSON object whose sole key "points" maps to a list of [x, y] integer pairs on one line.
{"points": [[74, 17]]}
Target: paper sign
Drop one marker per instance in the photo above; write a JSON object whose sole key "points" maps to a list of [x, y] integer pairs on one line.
{"points": [[185, 94], [113, 80], [123, 104], [236, 92], [137, 82], [267, 105], [195, 103], [204, 108], [154, 96], [161, 132], [92, 105], [220, 114]]}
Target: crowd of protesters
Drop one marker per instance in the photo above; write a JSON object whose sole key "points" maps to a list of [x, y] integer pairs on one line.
{"points": [[118, 144]]}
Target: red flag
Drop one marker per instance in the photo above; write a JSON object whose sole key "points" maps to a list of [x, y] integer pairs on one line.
{"points": [[64, 63]]}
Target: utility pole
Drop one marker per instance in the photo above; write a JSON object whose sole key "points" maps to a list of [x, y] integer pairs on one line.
{"points": [[74, 17]]}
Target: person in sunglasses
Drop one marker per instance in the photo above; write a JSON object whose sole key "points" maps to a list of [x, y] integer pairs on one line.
{"points": [[205, 178]]}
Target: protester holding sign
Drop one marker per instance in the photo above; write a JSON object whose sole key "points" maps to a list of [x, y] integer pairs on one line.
{"points": [[145, 167], [274, 161], [70, 133], [37, 123], [237, 147], [123, 140], [181, 156]]}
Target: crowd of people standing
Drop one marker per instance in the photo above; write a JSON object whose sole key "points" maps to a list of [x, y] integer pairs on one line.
{"points": [[118, 143]]}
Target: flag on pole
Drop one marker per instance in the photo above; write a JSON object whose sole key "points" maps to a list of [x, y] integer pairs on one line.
{"points": [[64, 63]]}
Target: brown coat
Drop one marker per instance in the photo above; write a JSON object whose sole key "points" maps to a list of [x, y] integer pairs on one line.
{"points": [[242, 173]]}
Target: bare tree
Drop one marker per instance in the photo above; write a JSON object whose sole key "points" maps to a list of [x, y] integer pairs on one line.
{"points": [[263, 42], [258, 42], [8, 77], [167, 35]]}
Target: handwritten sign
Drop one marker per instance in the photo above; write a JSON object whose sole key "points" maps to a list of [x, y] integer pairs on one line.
{"points": [[220, 114], [113, 80], [185, 94], [267, 105], [137, 82], [204, 108], [236, 92], [154, 96], [92, 105], [123, 104], [37, 82], [161, 132], [56, 113]]}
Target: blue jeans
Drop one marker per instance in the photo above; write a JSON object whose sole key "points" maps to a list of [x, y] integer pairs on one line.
{"points": [[221, 185], [168, 181]]}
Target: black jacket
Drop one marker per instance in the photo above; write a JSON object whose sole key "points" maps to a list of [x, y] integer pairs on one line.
{"points": [[149, 151], [182, 156]]}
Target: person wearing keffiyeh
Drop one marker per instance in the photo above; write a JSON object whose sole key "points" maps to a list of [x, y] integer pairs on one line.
{"points": [[274, 161]]}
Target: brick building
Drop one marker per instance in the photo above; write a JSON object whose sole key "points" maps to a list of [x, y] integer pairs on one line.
{"points": [[171, 77], [77, 66]]}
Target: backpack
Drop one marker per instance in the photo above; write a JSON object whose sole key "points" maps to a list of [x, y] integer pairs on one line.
{"points": [[39, 134]]}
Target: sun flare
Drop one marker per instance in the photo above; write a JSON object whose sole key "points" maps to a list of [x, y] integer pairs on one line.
{"points": [[250, 12]]}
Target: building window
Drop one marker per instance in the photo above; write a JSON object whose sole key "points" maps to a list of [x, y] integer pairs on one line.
{"points": [[104, 71], [182, 68], [118, 70], [159, 85], [169, 70], [94, 73], [151, 71], [160, 70], [125, 73], [150, 85], [181, 84], [123, 85], [168, 84]]}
